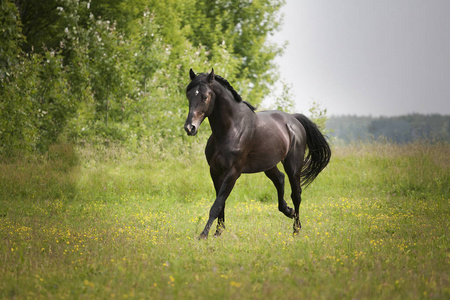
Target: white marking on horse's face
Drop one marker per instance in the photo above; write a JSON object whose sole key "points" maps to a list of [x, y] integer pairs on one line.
{"points": [[196, 92]]}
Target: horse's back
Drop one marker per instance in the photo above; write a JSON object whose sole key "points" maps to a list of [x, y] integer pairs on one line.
{"points": [[272, 139], [279, 120]]}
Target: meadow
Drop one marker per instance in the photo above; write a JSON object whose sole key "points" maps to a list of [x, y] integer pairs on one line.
{"points": [[108, 222]]}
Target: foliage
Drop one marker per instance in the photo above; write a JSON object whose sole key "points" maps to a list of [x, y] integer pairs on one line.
{"points": [[243, 27], [11, 37], [403, 129], [114, 223], [285, 102], [319, 116], [34, 102], [115, 71]]}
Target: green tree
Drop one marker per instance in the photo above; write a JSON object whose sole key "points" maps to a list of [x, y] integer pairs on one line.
{"points": [[15, 108], [243, 26], [319, 116], [117, 70], [11, 37], [285, 101]]}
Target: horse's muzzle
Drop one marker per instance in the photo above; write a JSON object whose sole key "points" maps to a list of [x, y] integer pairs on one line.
{"points": [[190, 129]]}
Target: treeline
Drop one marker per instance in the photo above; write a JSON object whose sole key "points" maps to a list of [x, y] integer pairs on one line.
{"points": [[401, 129], [116, 70]]}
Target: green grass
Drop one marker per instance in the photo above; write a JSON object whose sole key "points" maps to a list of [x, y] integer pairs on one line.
{"points": [[111, 223]]}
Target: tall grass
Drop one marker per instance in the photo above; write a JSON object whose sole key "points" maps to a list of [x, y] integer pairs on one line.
{"points": [[109, 222]]}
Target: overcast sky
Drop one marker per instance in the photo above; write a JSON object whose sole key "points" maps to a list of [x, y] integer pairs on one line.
{"points": [[380, 57]]}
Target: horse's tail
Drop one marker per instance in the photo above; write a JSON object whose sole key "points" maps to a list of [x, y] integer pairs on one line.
{"points": [[319, 152]]}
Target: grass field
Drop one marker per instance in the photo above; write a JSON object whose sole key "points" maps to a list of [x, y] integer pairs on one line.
{"points": [[113, 223]]}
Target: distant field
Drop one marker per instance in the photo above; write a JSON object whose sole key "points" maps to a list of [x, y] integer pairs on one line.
{"points": [[112, 223]]}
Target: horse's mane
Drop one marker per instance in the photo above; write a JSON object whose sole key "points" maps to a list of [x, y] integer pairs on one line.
{"points": [[235, 94], [226, 85]]}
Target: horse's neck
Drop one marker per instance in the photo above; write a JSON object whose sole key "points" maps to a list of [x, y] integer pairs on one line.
{"points": [[228, 115]]}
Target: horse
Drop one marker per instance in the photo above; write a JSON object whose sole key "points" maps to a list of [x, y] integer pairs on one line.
{"points": [[245, 141]]}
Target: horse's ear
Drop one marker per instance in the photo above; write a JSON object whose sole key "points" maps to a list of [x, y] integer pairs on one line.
{"points": [[211, 76], [192, 74]]}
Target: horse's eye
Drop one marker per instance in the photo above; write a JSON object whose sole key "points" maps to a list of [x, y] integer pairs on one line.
{"points": [[204, 98]]}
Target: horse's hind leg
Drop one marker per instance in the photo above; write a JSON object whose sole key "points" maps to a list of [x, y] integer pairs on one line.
{"points": [[293, 169], [278, 180], [296, 199]]}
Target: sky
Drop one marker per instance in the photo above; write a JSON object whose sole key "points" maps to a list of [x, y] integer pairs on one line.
{"points": [[361, 57]]}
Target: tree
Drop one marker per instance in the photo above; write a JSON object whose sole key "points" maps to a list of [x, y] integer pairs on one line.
{"points": [[285, 101], [11, 37], [241, 27], [319, 116], [117, 70], [244, 27]]}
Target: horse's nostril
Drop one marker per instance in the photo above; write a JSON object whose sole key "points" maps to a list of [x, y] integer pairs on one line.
{"points": [[190, 129]]}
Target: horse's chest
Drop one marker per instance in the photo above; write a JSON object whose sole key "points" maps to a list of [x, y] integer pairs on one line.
{"points": [[224, 160], [222, 156]]}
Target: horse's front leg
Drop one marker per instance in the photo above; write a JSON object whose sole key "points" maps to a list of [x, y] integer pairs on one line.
{"points": [[218, 208], [218, 180], [220, 223]]}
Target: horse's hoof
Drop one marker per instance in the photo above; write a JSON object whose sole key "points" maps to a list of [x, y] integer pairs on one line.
{"points": [[296, 229], [219, 230], [202, 237], [218, 233], [292, 214]]}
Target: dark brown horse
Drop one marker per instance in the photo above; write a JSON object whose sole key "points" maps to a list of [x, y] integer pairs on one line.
{"points": [[243, 141]]}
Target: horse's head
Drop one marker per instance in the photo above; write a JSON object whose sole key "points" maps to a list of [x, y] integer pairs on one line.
{"points": [[201, 100]]}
